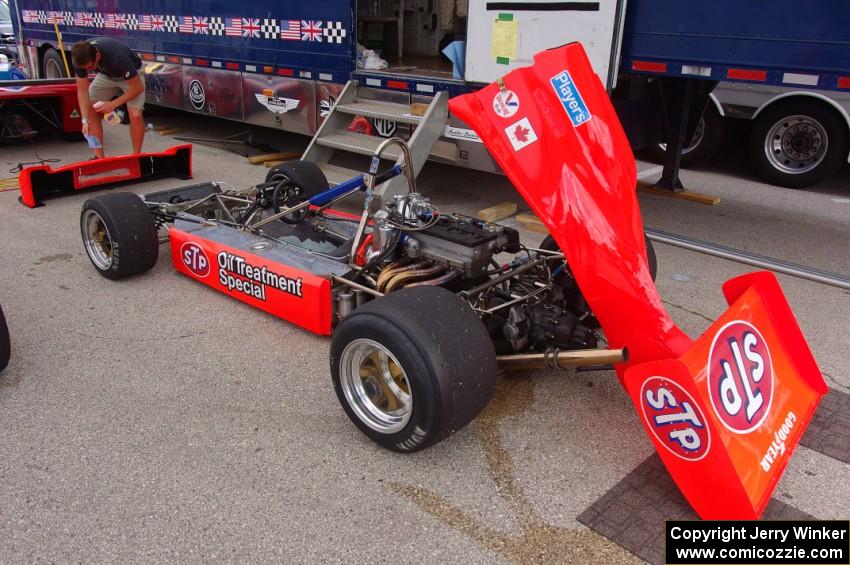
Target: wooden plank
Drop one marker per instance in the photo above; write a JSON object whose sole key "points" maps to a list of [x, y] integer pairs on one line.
{"points": [[682, 195], [169, 131], [418, 108], [497, 212], [283, 156], [531, 223], [271, 164]]}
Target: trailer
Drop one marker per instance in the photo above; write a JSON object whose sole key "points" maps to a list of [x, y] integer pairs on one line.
{"points": [[289, 66]]}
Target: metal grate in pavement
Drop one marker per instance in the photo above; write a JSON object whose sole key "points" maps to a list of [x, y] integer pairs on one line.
{"points": [[829, 430]]}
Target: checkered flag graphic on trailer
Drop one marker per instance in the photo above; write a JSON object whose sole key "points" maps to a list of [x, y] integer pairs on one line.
{"points": [[132, 21], [216, 26], [171, 24], [67, 18], [270, 29], [41, 17], [334, 32], [97, 19]]}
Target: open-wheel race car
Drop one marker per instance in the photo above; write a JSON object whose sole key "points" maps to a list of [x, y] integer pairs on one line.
{"points": [[424, 307]]}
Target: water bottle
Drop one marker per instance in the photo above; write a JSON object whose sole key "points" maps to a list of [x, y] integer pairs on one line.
{"points": [[149, 131]]}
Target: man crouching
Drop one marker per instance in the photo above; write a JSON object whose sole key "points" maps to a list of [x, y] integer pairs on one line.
{"points": [[117, 70]]}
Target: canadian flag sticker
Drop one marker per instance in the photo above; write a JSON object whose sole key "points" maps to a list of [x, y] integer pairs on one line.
{"points": [[521, 134]]}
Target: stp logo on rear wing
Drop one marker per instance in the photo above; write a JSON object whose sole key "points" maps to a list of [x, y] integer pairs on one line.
{"points": [[727, 414]]}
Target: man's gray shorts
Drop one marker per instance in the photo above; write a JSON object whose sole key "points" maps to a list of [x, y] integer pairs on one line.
{"points": [[104, 89]]}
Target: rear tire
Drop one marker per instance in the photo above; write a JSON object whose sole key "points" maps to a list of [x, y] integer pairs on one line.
{"points": [[798, 143], [412, 367], [119, 235], [52, 65], [5, 342]]}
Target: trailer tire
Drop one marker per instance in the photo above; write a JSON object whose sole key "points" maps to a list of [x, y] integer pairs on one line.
{"points": [[434, 372], [704, 143], [52, 65], [5, 342], [119, 235], [302, 179], [798, 143]]}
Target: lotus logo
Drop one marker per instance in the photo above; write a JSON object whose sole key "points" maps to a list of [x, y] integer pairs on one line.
{"points": [[195, 259], [196, 95]]}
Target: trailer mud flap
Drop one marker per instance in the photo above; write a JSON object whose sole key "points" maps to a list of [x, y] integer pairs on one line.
{"points": [[41, 182], [726, 416], [726, 411]]}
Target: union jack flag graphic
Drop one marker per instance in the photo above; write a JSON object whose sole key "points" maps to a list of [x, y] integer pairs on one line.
{"points": [[157, 23], [200, 25], [186, 24], [54, 17], [234, 27], [250, 27], [311, 31], [290, 29]]}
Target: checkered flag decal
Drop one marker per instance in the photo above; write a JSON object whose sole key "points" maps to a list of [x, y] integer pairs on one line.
{"points": [[41, 17], [132, 21], [67, 18], [171, 24], [270, 29], [216, 26], [334, 32], [98, 19]]}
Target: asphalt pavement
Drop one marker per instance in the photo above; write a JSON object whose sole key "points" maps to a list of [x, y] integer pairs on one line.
{"points": [[156, 420]]}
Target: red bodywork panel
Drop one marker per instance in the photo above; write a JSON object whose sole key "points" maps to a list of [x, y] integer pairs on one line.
{"points": [[38, 182], [63, 91], [297, 296], [714, 407]]}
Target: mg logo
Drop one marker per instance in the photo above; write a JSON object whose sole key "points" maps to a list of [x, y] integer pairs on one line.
{"points": [[740, 377], [195, 259]]}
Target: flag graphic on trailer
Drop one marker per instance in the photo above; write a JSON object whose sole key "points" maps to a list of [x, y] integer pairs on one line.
{"points": [[186, 25], [234, 28], [311, 30], [290, 29], [216, 26], [250, 27], [170, 24], [80, 19], [145, 22], [200, 25], [334, 32], [67, 18]]}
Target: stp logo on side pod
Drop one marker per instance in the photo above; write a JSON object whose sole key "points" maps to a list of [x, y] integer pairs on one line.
{"points": [[195, 259], [740, 377], [675, 419]]}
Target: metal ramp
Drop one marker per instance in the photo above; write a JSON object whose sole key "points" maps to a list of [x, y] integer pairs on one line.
{"points": [[333, 136]]}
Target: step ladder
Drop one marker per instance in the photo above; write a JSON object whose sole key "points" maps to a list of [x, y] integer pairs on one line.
{"points": [[333, 137]]}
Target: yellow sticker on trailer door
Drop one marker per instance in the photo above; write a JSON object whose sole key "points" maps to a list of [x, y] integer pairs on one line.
{"points": [[505, 36]]}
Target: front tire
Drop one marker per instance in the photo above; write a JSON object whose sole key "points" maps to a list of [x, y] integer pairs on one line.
{"points": [[119, 235], [296, 182], [798, 144], [412, 367], [52, 65]]}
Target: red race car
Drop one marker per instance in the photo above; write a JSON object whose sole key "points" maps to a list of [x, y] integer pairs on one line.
{"points": [[422, 315]]}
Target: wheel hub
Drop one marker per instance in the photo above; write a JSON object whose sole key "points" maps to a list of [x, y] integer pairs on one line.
{"points": [[97, 240], [796, 144]]}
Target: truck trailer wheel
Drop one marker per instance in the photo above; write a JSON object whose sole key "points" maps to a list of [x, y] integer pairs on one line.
{"points": [[52, 64], [412, 367], [703, 144], [798, 143], [5, 342], [119, 235]]}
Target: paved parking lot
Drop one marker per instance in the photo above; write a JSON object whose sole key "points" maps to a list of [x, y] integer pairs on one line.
{"points": [[154, 419]]}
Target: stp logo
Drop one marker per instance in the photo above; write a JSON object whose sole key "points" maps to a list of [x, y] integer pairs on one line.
{"points": [[675, 419], [195, 259], [740, 377]]}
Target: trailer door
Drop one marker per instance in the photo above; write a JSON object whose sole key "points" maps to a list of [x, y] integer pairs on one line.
{"points": [[502, 36]]}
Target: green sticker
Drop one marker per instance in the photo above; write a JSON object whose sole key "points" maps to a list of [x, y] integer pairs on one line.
{"points": [[506, 17], [503, 61]]}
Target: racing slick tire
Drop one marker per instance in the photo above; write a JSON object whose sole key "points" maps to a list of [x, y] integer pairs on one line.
{"points": [[297, 181], [798, 143], [119, 234], [412, 367], [5, 342]]}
